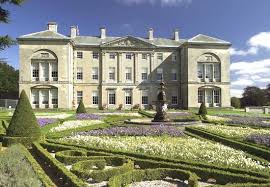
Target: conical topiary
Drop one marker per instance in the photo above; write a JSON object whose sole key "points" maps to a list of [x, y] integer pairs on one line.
{"points": [[81, 108], [202, 110], [23, 122]]}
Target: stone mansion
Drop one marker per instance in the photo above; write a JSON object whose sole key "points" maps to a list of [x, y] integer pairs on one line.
{"points": [[57, 71]]}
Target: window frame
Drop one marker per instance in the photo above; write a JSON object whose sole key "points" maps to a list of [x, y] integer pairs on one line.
{"points": [[79, 54]]}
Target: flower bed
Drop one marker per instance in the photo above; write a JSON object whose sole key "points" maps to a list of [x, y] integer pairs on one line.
{"points": [[75, 124], [154, 130], [263, 139], [246, 120], [45, 121], [233, 132], [119, 114], [53, 115], [88, 116], [172, 147]]}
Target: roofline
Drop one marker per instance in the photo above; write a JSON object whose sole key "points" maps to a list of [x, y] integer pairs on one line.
{"points": [[43, 39]]}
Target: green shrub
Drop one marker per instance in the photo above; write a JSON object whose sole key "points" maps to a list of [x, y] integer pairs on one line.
{"points": [[202, 110], [57, 167], [235, 102], [15, 170], [23, 122], [81, 108], [152, 174]]}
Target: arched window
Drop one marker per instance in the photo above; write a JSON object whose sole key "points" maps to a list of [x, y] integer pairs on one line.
{"points": [[44, 96], [210, 95], [44, 66], [208, 68]]}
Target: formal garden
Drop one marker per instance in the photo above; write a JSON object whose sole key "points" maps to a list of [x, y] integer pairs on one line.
{"points": [[90, 147]]}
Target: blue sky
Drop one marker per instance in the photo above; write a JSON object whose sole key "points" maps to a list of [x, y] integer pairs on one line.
{"points": [[244, 23]]}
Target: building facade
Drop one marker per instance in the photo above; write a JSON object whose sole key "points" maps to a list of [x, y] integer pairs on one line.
{"points": [[57, 71]]}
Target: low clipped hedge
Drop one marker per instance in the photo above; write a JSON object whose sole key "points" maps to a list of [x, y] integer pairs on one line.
{"points": [[253, 150], [162, 159], [73, 156], [146, 114], [83, 169], [153, 174], [46, 181], [222, 175], [60, 170], [26, 141]]}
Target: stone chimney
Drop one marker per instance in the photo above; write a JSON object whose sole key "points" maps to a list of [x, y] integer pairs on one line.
{"points": [[151, 34], [52, 26], [74, 31], [176, 35], [102, 32]]}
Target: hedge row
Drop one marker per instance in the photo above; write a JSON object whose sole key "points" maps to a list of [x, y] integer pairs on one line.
{"points": [[162, 159], [46, 181], [26, 141], [257, 151], [146, 114], [73, 156], [82, 169], [60, 170], [152, 174], [222, 175]]}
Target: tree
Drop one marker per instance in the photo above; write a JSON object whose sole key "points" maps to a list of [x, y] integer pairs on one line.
{"points": [[81, 108], [202, 110], [8, 81], [235, 102], [267, 92], [253, 96], [6, 41], [24, 122]]}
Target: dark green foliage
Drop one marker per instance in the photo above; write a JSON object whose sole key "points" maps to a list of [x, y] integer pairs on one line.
{"points": [[8, 79], [15, 170], [81, 108], [152, 174], [235, 102], [60, 170], [23, 122], [46, 181], [202, 110], [6, 41], [253, 96]]}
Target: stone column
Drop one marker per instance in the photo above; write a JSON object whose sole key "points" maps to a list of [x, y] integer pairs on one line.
{"points": [[103, 70], [50, 98], [39, 96], [151, 66], [50, 71], [119, 67], [39, 70], [136, 80]]}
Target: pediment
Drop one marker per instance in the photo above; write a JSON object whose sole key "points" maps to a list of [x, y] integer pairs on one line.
{"points": [[128, 42]]}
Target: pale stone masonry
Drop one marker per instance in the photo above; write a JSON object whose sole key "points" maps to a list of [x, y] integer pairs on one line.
{"points": [[56, 71]]}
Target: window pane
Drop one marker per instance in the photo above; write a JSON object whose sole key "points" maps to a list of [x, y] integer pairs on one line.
{"points": [[112, 97], [79, 73], [95, 97], [200, 70], [79, 54], [128, 97], [95, 55], [200, 96], [95, 73], [217, 71], [174, 100], [209, 71], [112, 73], [112, 55], [79, 96], [216, 96]]}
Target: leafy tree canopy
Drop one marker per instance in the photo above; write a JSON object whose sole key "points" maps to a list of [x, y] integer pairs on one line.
{"points": [[6, 41], [8, 78]]}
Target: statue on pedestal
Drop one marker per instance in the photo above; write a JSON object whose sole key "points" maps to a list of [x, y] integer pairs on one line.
{"points": [[161, 106]]}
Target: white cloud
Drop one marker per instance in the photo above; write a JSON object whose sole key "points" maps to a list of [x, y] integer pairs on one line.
{"points": [[258, 68], [250, 51], [236, 92], [260, 40], [161, 2], [242, 82]]}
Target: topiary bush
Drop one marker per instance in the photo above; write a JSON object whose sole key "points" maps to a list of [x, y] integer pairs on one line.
{"points": [[81, 108], [202, 110], [24, 122]]}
